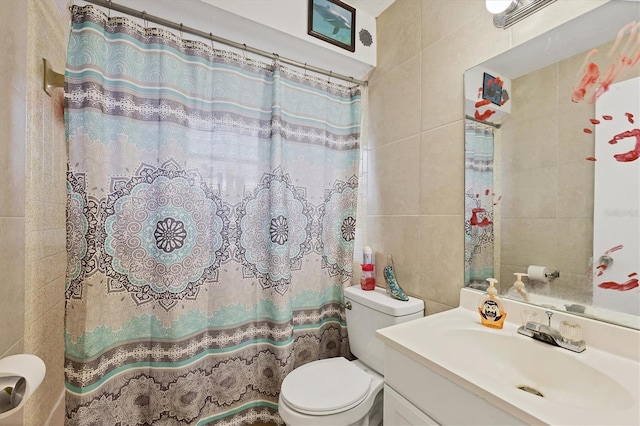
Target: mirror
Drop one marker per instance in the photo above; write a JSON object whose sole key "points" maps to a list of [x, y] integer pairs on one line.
{"points": [[552, 167]]}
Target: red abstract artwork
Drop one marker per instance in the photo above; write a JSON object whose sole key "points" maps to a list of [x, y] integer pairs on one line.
{"points": [[624, 56], [632, 155], [613, 249], [629, 117], [483, 116], [475, 221], [611, 285], [588, 80], [624, 157], [490, 93]]}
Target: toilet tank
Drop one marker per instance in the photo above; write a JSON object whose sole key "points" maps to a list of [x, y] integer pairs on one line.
{"points": [[370, 311]]}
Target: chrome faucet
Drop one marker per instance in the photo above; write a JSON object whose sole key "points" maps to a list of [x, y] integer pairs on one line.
{"points": [[548, 334]]}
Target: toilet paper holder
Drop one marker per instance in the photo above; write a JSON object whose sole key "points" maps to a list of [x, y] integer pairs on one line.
{"points": [[541, 273], [553, 274], [20, 376], [12, 391]]}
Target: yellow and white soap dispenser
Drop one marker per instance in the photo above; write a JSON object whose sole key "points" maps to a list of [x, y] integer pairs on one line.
{"points": [[491, 308]]}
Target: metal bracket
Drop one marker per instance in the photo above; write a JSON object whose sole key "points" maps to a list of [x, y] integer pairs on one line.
{"points": [[51, 79]]}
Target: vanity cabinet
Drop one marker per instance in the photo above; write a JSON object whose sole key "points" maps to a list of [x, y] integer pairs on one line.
{"points": [[398, 411], [416, 395]]}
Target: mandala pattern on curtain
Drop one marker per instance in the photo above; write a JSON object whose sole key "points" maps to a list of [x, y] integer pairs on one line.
{"points": [[479, 201], [211, 218]]}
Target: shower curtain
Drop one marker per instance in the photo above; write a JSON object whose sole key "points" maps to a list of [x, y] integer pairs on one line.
{"points": [[210, 226], [479, 204]]}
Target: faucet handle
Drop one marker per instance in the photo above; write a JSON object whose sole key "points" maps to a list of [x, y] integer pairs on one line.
{"points": [[571, 331], [549, 315]]}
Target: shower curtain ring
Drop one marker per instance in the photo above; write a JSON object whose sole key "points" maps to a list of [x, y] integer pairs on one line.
{"points": [[305, 70], [109, 14], [144, 19], [211, 38], [244, 50], [181, 30], [329, 79]]}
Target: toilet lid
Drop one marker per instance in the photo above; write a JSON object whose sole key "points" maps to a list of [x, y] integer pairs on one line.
{"points": [[327, 386]]}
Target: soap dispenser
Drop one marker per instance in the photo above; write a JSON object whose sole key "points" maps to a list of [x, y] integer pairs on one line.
{"points": [[491, 308], [518, 292]]}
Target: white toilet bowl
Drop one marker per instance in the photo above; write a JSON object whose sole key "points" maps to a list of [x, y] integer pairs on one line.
{"points": [[334, 392]]}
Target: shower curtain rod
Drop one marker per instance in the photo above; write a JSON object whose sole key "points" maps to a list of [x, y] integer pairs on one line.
{"points": [[241, 46], [497, 126]]}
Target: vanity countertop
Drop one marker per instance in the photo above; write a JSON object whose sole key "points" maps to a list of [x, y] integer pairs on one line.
{"points": [[598, 386]]}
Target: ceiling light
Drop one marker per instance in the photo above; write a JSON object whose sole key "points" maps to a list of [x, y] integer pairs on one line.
{"points": [[500, 6], [508, 12]]}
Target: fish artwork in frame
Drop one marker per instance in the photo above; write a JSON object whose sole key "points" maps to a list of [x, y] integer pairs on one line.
{"points": [[334, 22]]}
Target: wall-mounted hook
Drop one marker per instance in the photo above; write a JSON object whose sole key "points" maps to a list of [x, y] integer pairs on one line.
{"points": [[51, 79]]}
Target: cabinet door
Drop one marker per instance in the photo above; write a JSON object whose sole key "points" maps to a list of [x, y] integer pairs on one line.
{"points": [[400, 412]]}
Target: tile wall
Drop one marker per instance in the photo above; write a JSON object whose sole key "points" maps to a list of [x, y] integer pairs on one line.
{"points": [[45, 233], [545, 216], [13, 90], [33, 199]]}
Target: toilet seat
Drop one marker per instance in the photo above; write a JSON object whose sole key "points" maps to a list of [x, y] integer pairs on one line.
{"points": [[337, 386]]}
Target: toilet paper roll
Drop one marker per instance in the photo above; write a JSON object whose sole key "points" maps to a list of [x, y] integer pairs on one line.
{"points": [[28, 366], [537, 273]]}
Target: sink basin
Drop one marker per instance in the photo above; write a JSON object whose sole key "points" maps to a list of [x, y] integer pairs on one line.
{"points": [[522, 363], [533, 382]]}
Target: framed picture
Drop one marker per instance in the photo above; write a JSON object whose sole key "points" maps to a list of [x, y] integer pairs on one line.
{"points": [[333, 22], [492, 88]]}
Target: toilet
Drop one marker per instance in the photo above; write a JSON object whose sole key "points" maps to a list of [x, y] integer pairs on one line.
{"points": [[339, 392]]}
